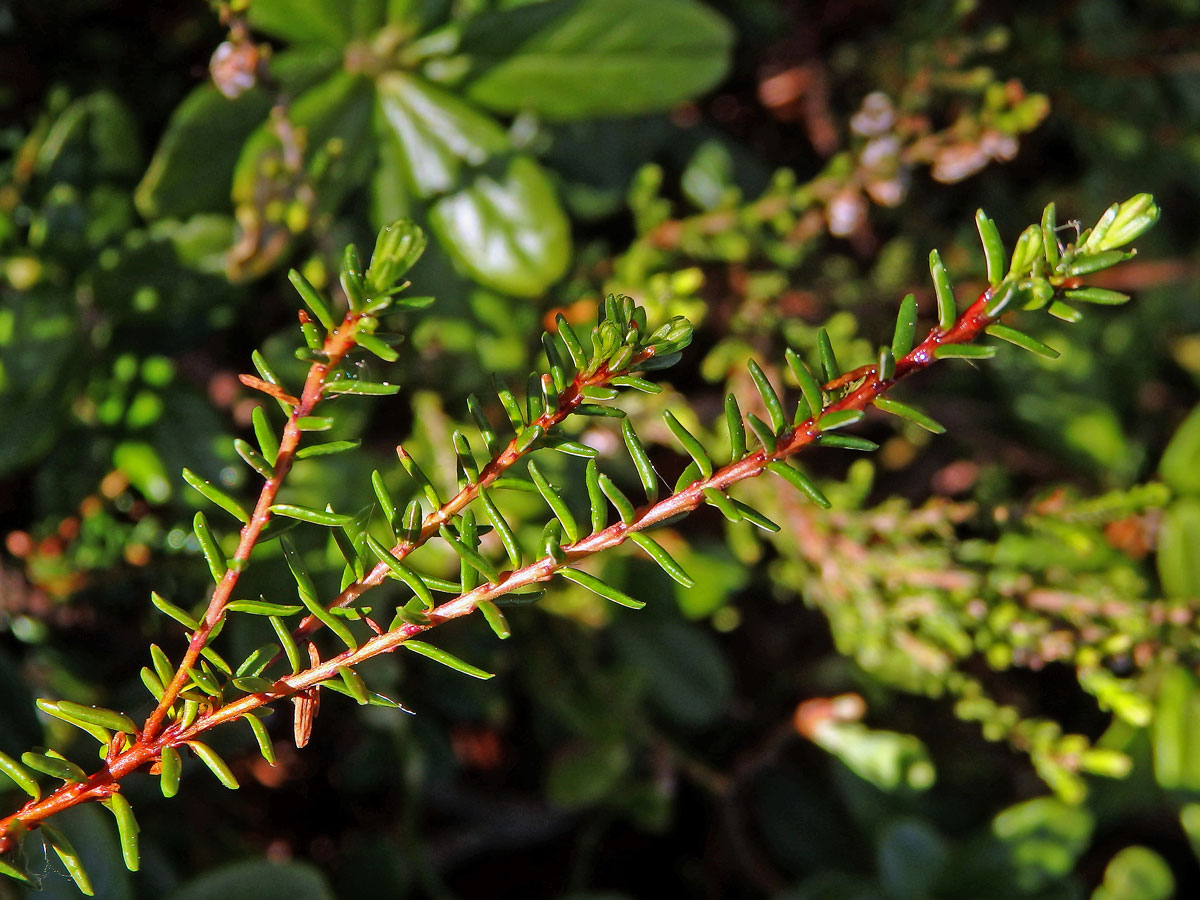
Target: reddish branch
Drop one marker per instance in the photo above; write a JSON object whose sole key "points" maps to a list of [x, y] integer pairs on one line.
{"points": [[338, 343], [146, 747]]}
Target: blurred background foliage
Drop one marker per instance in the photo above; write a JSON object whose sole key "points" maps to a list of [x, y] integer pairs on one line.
{"points": [[974, 677]]}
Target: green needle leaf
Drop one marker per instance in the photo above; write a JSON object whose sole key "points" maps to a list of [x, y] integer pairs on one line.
{"points": [[308, 595], [215, 764], [401, 572], [253, 684], [263, 608], [98, 715], [754, 517], [1060, 310], [556, 503], [362, 388], [376, 345], [1049, 235], [638, 384], [664, 559], [287, 642], [387, 505], [993, 247], [495, 619], [1086, 265], [216, 495], [808, 384], [471, 556], [127, 829], [602, 588], [598, 510], [253, 458], [484, 424], [166, 606], [153, 685], [1022, 340], [571, 340], [418, 475], [512, 409], [618, 499], [503, 529], [312, 299], [693, 447], [10, 871], [829, 364], [847, 442], [963, 351], [1101, 296], [162, 664], [800, 482], [355, 686], [736, 427], [769, 397], [268, 441], [764, 433], [20, 776], [209, 547], [446, 659], [70, 858], [914, 415], [947, 310], [327, 449], [258, 660], [315, 516], [265, 748], [554, 362], [906, 327], [641, 460], [54, 766], [466, 456], [723, 504], [886, 367], [572, 448], [170, 766], [98, 732]]}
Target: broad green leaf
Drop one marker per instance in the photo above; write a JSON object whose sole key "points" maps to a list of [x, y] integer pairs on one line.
{"points": [[1136, 873], [910, 856], [1178, 467], [335, 109], [587, 773], [1178, 538], [257, 880], [438, 135], [42, 363], [1175, 731], [141, 463], [191, 168], [331, 123], [194, 162], [506, 230], [686, 676], [578, 59], [329, 22], [1044, 837]]}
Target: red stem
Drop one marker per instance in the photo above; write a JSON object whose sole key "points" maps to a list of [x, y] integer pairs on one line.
{"points": [[147, 747]]}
